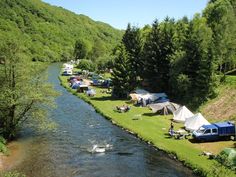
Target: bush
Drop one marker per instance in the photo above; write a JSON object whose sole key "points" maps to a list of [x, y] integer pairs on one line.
{"points": [[13, 174], [3, 147]]}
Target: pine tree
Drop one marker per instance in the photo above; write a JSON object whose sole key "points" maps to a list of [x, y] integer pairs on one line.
{"points": [[120, 74], [133, 45], [158, 51], [151, 54], [200, 65]]}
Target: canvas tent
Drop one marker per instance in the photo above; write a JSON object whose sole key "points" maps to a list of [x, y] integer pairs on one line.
{"points": [[164, 108], [134, 96], [195, 122], [181, 114]]}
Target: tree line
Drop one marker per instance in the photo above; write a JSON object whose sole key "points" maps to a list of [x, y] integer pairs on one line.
{"points": [[187, 59]]}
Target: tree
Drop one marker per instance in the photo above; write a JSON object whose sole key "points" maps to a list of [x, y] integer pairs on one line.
{"points": [[24, 93], [87, 65], [120, 74], [133, 45], [158, 51], [98, 50], [151, 55], [200, 62], [82, 49], [220, 15]]}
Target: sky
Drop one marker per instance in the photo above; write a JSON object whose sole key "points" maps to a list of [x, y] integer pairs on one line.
{"points": [[118, 13]]}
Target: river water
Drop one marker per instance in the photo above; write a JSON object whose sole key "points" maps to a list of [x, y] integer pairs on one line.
{"points": [[67, 152]]}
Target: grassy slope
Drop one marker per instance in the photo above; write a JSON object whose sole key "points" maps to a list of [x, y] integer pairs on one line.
{"points": [[222, 107], [153, 129]]}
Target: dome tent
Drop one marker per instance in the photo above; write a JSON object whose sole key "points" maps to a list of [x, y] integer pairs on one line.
{"points": [[181, 114], [195, 122]]}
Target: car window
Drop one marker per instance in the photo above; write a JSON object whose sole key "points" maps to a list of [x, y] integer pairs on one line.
{"points": [[207, 131], [214, 130]]}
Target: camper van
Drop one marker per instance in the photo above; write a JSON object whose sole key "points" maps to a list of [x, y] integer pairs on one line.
{"points": [[67, 73]]}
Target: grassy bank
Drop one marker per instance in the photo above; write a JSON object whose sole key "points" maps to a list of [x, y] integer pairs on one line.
{"points": [[223, 107], [154, 129]]}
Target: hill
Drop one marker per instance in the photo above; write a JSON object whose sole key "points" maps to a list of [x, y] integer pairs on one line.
{"points": [[223, 106], [51, 31]]}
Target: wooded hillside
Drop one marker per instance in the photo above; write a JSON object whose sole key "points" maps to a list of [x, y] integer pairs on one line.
{"points": [[50, 32]]}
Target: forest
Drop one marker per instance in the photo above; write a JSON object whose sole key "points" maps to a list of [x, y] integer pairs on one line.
{"points": [[51, 32], [187, 58]]}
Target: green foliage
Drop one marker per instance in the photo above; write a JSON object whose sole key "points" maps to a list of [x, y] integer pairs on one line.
{"points": [[3, 147], [53, 31], [151, 56], [24, 93], [86, 65], [133, 45], [103, 63], [158, 51], [13, 174], [82, 49], [220, 15], [120, 74]]}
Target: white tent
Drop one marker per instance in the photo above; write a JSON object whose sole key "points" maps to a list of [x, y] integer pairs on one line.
{"points": [[181, 114], [195, 122]]}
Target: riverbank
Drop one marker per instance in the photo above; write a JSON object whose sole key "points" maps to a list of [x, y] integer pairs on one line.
{"points": [[15, 155], [153, 129]]}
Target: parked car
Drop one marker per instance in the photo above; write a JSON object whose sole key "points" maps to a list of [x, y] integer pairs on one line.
{"points": [[215, 131]]}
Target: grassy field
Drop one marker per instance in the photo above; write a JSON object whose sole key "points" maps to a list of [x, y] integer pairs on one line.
{"points": [[154, 129]]}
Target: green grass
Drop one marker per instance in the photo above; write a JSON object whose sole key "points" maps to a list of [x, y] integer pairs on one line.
{"points": [[151, 128]]}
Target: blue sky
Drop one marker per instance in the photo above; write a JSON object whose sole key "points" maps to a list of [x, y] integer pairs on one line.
{"points": [[119, 13]]}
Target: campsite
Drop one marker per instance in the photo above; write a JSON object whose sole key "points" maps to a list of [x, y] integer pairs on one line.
{"points": [[144, 122], [117, 88]]}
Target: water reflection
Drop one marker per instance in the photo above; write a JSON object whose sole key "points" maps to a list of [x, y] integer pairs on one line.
{"points": [[68, 151]]}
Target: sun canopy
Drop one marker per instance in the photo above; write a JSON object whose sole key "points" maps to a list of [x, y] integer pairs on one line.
{"points": [[181, 114], [195, 122]]}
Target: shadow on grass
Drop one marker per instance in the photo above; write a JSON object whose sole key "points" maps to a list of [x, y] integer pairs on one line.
{"points": [[150, 114], [167, 136], [105, 98], [191, 140]]}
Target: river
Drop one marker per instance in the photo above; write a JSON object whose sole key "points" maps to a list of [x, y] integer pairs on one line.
{"points": [[66, 152]]}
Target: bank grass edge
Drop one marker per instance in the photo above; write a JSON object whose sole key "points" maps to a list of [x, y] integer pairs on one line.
{"points": [[152, 132]]}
